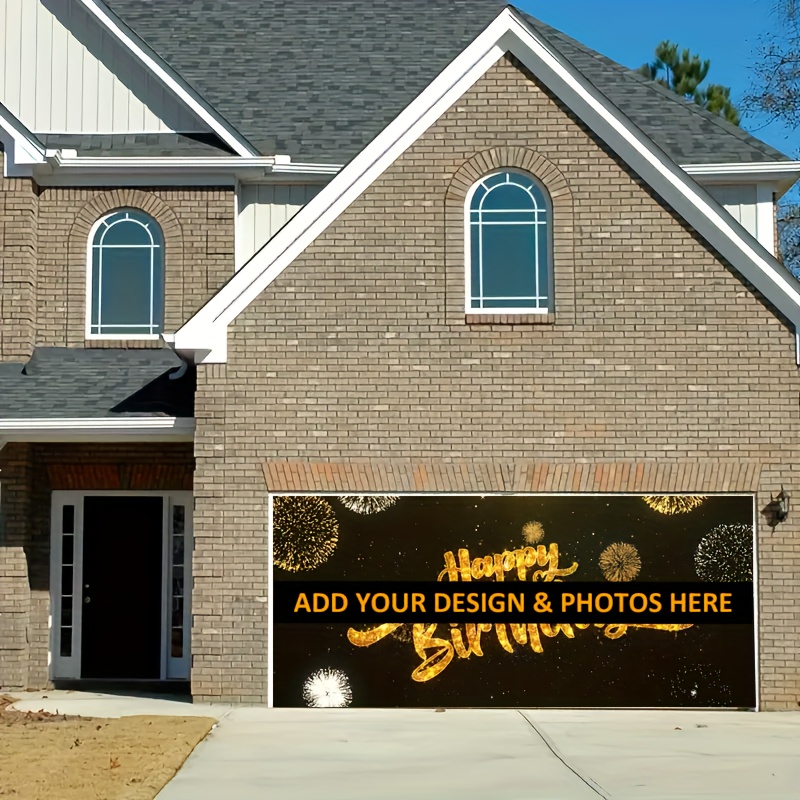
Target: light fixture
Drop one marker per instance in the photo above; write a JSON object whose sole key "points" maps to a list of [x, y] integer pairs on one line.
{"points": [[781, 505], [777, 510]]}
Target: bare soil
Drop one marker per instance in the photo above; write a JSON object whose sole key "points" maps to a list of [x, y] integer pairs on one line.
{"points": [[55, 757]]}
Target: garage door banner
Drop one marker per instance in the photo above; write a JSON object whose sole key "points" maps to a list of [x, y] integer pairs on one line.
{"points": [[525, 600]]}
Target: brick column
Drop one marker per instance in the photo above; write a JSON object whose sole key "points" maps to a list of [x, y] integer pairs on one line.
{"points": [[18, 231]]}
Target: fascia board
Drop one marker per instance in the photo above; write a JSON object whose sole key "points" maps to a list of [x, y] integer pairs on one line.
{"points": [[202, 332], [151, 429], [27, 149]]}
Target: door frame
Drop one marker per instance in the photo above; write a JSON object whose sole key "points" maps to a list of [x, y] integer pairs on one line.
{"points": [[69, 667]]}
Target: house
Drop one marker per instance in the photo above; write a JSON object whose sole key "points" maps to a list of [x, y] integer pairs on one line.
{"points": [[290, 290]]}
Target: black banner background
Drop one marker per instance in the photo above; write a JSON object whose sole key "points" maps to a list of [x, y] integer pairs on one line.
{"points": [[706, 665]]}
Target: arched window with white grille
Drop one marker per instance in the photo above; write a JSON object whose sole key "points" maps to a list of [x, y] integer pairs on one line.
{"points": [[508, 251], [126, 277]]}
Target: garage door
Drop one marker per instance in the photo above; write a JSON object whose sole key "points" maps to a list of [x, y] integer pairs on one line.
{"points": [[612, 539]]}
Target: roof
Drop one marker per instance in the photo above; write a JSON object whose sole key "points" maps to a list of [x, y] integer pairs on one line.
{"points": [[62, 382], [318, 81], [204, 336], [136, 144]]}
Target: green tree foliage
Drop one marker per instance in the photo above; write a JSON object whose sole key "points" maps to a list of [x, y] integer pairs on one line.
{"points": [[683, 72]]}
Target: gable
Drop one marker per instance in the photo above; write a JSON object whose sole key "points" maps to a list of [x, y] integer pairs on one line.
{"points": [[205, 335], [628, 270], [361, 349], [63, 73]]}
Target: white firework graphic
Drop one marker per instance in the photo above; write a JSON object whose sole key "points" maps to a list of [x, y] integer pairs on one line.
{"points": [[327, 688], [368, 503], [701, 685], [726, 554]]}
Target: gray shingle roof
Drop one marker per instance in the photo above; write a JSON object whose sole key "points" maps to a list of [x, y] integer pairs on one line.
{"points": [[318, 80], [134, 144], [59, 382]]}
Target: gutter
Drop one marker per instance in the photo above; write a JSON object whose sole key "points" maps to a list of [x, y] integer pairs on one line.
{"points": [[66, 165], [782, 174], [75, 429]]}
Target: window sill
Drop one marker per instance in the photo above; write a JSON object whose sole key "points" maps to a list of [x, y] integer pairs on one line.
{"points": [[510, 319], [124, 343]]}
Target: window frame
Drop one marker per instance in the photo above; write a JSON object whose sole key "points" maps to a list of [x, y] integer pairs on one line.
{"points": [[90, 248], [469, 309]]}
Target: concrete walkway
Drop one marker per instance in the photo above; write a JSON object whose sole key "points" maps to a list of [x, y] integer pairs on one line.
{"points": [[94, 704], [466, 755]]}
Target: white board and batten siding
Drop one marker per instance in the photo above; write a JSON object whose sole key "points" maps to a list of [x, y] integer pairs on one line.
{"points": [[751, 205], [61, 72], [263, 210]]}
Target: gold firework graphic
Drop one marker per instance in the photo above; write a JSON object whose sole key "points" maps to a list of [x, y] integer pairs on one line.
{"points": [[620, 562], [304, 532], [533, 532], [674, 503]]}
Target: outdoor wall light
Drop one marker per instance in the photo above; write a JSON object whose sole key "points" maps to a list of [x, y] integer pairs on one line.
{"points": [[781, 505], [777, 510]]}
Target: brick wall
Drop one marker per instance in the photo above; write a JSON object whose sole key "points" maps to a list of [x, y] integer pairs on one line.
{"points": [[15, 593], [198, 226], [658, 353], [18, 225]]}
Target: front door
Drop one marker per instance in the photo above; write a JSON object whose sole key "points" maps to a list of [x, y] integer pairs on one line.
{"points": [[122, 587], [120, 580]]}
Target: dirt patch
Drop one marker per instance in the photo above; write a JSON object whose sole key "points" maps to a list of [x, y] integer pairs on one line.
{"points": [[45, 756]]}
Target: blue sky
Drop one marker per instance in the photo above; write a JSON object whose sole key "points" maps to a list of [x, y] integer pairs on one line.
{"points": [[724, 31]]}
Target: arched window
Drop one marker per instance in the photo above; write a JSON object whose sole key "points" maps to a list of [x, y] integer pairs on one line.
{"points": [[508, 226], [126, 280]]}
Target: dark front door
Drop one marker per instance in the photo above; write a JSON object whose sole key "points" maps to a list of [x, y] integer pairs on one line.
{"points": [[121, 626]]}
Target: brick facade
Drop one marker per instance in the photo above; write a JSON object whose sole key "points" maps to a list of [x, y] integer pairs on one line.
{"points": [[19, 207], [30, 473], [658, 354], [198, 226]]}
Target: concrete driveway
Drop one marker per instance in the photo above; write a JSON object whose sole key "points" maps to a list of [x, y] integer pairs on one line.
{"points": [[493, 755], [354, 754]]}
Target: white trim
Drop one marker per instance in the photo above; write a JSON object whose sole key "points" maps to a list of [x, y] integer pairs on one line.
{"points": [[228, 164], [206, 331], [765, 217], [21, 146], [204, 335], [69, 668], [66, 667], [79, 429], [237, 236], [158, 67], [774, 169], [72, 170], [756, 637], [270, 609]]}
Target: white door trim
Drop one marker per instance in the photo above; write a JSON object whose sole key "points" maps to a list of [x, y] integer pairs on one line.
{"points": [[69, 667]]}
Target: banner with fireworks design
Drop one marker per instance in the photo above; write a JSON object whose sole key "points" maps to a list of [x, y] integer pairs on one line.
{"points": [[612, 539]]}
